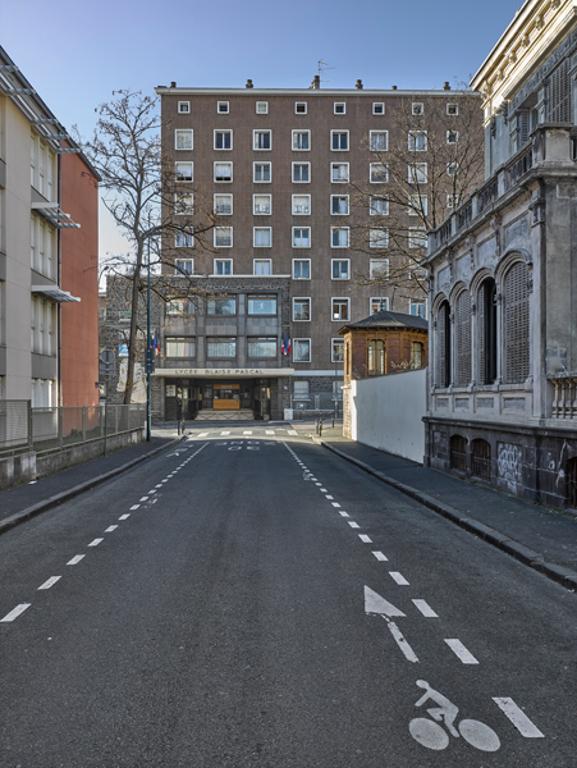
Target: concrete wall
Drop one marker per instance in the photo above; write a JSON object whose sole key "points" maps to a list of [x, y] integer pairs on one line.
{"points": [[387, 413]]}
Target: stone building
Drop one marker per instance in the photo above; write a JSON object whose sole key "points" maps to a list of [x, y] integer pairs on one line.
{"points": [[503, 287]]}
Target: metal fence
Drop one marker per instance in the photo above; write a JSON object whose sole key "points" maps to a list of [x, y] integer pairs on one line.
{"points": [[22, 426], [320, 403]]}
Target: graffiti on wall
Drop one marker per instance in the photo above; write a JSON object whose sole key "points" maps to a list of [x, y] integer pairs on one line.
{"points": [[510, 465]]}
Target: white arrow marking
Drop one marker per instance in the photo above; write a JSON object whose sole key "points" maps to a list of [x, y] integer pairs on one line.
{"points": [[526, 727], [375, 604]]}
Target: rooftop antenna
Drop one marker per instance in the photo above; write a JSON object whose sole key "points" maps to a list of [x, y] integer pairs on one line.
{"points": [[323, 66]]}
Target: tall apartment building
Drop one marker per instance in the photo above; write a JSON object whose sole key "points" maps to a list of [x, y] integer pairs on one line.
{"points": [[322, 200], [40, 166]]}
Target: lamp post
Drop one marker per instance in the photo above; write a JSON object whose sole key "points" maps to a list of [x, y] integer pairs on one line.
{"points": [[148, 350]]}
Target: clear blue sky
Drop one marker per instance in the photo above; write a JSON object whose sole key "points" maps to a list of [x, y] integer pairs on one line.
{"points": [[75, 52]]}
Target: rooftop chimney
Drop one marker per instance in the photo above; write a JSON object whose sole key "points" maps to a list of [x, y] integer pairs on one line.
{"points": [[394, 87], [316, 82], [173, 84], [249, 83], [359, 85], [447, 86]]}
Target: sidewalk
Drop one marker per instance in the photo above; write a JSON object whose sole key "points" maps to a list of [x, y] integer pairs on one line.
{"points": [[24, 501], [545, 539]]}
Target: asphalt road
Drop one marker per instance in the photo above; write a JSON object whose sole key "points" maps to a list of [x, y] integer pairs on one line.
{"points": [[256, 601]]}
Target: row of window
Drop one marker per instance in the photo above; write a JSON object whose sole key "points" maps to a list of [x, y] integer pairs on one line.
{"points": [[301, 268], [301, 172], [301, 108], [301, 141], [258, 348]]}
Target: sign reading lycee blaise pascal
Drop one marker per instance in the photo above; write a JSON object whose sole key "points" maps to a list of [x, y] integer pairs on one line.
{"points": [[192, 373]]}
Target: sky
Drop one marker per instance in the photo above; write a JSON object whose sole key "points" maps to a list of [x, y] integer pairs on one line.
{"points": [[76, 52]]}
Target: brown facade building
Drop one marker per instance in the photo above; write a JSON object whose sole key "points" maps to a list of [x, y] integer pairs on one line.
{"points": [[330, 192]]}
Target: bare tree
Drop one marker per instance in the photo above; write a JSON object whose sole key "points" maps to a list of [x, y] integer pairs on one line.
{"points": [[145, 197]]}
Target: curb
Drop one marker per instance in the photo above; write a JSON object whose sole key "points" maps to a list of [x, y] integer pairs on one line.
{"points": [[559, 573], [59, 498]]}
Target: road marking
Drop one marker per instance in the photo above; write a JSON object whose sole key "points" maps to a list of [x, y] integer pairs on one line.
{"points": [[225, 433], [336, 504], [144, 498], [124, 517], [95, 542], [202, 434], [75, 560], [381, 557], [329, 497], [318, 485], [398, 578], [515, 714], [112, 528], [323, 490], [365, 539], [134, 506], [269, 432], [158, 486], [152, 492], [247, 432], [353, 524], [375, 604], [402, 642], [424, 607], [15, 612], [49, 582], [342, 513], [460, 651], [293, 433]]}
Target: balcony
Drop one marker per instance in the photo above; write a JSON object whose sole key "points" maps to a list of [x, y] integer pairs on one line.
{"points": [[564, 405]]}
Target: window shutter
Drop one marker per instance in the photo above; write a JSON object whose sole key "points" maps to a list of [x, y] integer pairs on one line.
{"points": [[463, 339], [516, 324], [558, 94], [443, 333]]}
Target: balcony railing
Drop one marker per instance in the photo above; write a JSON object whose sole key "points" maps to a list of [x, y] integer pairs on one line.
{"points": [[564, 397]]}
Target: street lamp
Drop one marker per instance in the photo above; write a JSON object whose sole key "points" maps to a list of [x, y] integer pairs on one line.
{"points": [[148, 350]]}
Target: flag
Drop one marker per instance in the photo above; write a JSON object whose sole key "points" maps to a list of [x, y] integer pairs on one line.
{"points": [[286, 345], [156, 344]]}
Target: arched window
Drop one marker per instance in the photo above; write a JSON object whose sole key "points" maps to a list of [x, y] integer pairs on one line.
{"points": [[443, 345], [481, 459], [487, 331], [463, 339], [516, 324]]}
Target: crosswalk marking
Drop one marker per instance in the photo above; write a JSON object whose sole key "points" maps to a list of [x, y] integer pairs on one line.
{"points": [[462, 653], [269, 431], [515, 714], [15, 612], [292, 433]]}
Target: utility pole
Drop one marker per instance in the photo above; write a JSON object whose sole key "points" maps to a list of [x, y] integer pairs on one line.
{"points": [[148, 350]]}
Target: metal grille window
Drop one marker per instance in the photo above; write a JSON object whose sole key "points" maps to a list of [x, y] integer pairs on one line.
{"points": [[559, 94], [458, 453], [481, 459], [487, 331], [516, 324], [443, 346], [463, 339]]}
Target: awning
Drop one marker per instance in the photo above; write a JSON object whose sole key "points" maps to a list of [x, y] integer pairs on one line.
{"points": [[54, 214], [55, 293]]}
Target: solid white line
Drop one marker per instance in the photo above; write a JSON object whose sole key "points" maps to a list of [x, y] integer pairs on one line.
{"points": [[95, 542], [365, 539], [424, 607], [76, 559], [398, 578], [342, 513], [15, 612], [124, 517], [111, 528], [401, 641], [526, 727], [336, 504], [50, 582], [353, 524], [381, 557], [144, 498], [460, 651], [134, 506]]}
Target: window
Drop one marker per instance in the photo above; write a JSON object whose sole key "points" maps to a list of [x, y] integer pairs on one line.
{"points": [[43, 393], [183, 139], [222, 237], [222, 204], [183, 108], [223, 139], [453, 200], [301, 310], [43, 247], [516, 324], [418, 173], [417, 141], [340, 108], [337, 350], [263, 347], [417, 355], [301, 354], [301, 269], [452, 137], [340, 269], [183, 240], [301, 141], [378, 206], [223, 172], [376, 357], [221, 306], [262, 205], [301, 237], [301, 389], [418, 205], [300, 108], [301, 173], [378, 269], [378, 173], [223, 107], [452, 109], [184, 266], [221, 348], [418, 308], [417, 237], [443, 346], [340, 237], [379, 141], [262, 140], [179, 307], [262, 267], [378, 238], [378, 304], [340, 141], [487, 331], [261, 108], [262, 237], [262, 305], [43, 327], [452, 168], [340, 205], [340, 310], [462, 325], [223, 267], [418, 108], [340, 173], [378, 107], [179, 346], [183, 171], [262, 173], [301, 205], [183, 203]]}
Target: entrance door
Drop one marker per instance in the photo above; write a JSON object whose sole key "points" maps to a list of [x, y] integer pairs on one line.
{"points": [[226, 397], [572, 483]]}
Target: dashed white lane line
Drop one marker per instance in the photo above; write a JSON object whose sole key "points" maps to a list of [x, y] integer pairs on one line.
{"points": [[365, 539], [269, 432], [15, 612], [398, 578], [353, 524], [382, 558], [134, 506], [515, 714], [318, 485], [49, 582], [95, 542], [125, 516], [462, 653], [202, 434], [323, 490], [424, 608], [342, 513], [158, 486], [75, 560], [226, 433], [143, 498], [401, 641], [152, 492], [336, 505], [329, 497], [293, 433], [247, 432], [110, 528]]}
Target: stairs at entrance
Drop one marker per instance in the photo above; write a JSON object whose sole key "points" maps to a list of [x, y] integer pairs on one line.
{"points": [[208, 414]]}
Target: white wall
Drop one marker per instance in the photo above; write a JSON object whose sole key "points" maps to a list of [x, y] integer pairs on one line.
{"points": [[387, 413]]}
